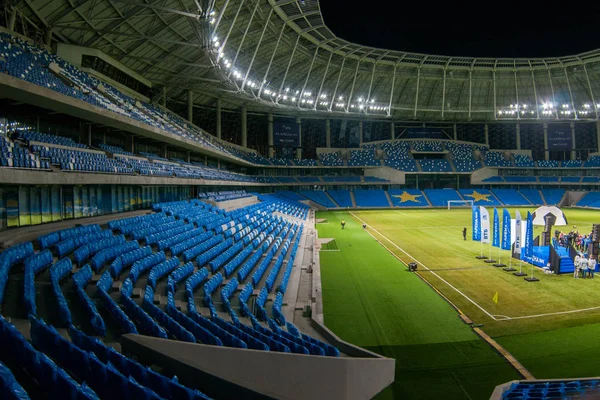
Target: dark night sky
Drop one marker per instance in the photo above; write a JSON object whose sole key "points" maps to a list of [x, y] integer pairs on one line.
{"points": [[485, 29]]}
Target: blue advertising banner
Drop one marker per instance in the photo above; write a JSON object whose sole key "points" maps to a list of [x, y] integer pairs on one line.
{"points": [[528, 244], [476, 224], [496, 238], [506, 239], [286, 133], [423, 133], [540, 255], [559, 137]]}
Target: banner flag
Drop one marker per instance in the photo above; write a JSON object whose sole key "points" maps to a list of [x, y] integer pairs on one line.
{"points": [[495, 298], [476, 224], [506, 239], [496, 238], [485, 224], [528, 237], [518, 234]]}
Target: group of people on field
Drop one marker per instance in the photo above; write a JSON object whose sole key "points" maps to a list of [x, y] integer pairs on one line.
{"points": [[579, 242], [584, 266]]}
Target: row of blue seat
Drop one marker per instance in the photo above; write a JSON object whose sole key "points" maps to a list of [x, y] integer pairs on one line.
{"points": [[211, 253], [110, 254], [53, 381], [80, 281], [129, 258], [179, 275], [227, 292], [58, 271], [146, 263], [81, 254], [161, 270], [10, 389], [10, 257], [195, 251], [180, 247], [66, 246], [52, 238]]}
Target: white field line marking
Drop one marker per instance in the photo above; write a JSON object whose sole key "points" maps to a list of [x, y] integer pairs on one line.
{"points": [[424, 266], [502, 317]]}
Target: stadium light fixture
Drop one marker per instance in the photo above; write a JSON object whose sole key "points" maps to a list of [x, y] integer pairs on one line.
{"points": [[342, 98], [323, 96], [287, 89], [284, 97], [293, 99]]}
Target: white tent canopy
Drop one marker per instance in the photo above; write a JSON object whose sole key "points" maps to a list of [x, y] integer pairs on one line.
{"points": [[540, 213]]}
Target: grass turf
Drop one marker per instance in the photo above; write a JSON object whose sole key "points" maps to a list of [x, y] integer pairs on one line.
{"points": [[372, 301]]}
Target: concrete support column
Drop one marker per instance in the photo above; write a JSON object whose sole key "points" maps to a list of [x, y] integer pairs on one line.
{"points": [[48, 38], [271, 149], [164, 97], [546, 150], [486, 133], [454, 134], [244, 127], [360, 133], [89, 138], [299, 149], [328, 133], [188, 156], [518, 138], [205, 161], [219, 118], [598, 135], [393, 131], [190, 101], [132, 143], [573, 152], [165, 151], [12, 19]]}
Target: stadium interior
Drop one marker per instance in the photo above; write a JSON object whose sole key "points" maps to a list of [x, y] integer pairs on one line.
{"points": [[223, 199]]}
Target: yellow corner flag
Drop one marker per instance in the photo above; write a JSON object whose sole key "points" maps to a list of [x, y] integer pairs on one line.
{"points": [[495, 298]]}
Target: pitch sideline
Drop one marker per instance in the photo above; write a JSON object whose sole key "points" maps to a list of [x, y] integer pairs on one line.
{"points": [[493, 316]]}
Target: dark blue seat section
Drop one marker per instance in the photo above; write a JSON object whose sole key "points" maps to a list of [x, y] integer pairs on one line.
{"points": [[211, 253], [211, 286], [53, 238], [196, 250], [145, 324], [34, 265], [172, 327], [227, 255], [236, 261], [226, 338], [290, 263], [271, 341], [191, 284], [68, 245], [190, 233], [160, 384], [146, 263], [244, 296], [276, 310], [81, 254], [179, 275], [157, 237], [127, 259], [10, 389], [58, 271], [180, 247], [249, 265], [228, 291], [51, 379], [109, 254], [10, 257], [251, 341], [80, 281], [201, 334], [261, 299], [161, 270]]}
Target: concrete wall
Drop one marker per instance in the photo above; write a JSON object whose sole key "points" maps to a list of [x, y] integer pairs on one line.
{"points": [[391, 174], [479, 175]]}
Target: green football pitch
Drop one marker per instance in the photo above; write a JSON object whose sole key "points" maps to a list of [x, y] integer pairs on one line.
{"points": [[371, 300]]}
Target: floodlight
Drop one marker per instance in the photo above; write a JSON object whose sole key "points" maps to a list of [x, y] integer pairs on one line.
{"points": [[293, 99], [285, 97]]}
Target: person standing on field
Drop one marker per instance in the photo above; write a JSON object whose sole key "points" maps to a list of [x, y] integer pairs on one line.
{"points": [[343, 224], [465, 233]]}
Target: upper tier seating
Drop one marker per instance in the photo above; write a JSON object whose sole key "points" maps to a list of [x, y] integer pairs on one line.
{"points": [[370, 198], [430, 146], [522, 160], [407, 198], [305, 162], [30, 136], [480, 197], [224, 195], [516, 178], [398, 156], [463, 156], [511, 197], [572, 164], [75, 160], [280, 161], [493, 179], [341, 197], [553, 196], [553, 389], [440, 197], [496, 159], [359, 158], [114, 149], [547, 164], [435, 165], [592, 161], [347, 178], [331, 159], [11, 155]]}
